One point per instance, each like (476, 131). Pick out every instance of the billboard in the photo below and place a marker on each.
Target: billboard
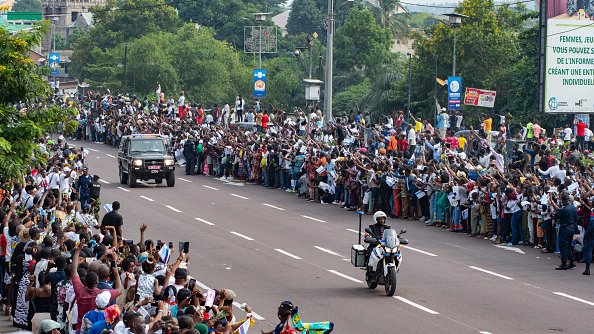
(569, 73)
(454, 93)
(259, 83)
(480, 97)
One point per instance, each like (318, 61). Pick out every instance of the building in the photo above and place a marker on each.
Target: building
(68, 14)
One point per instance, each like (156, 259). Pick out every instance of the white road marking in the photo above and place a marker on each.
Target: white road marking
(103, 181)
(314, 219)
(111, 156)
(326, 250)
(419, 251)
(242, 197)
(92, 149)
(209, 187)
(485, 332)
(242, 236)
(172, 208)
(574, 298)
(274, 207)
(204, 221)
(490, 272)
(287, 254)
(254, 314)
(147, 198)
(354, 231)
(124, 189)
(98, 157)
(420, 307)
(512, 249)
(346, 276)
(181, 178)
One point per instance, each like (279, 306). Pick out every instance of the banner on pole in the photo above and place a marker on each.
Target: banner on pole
(454, 93)
(480, 97)
(260, 83)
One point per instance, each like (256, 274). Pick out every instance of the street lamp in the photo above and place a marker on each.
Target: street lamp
(455, 21)
(329, 55)
(409, 81)
(260, 17)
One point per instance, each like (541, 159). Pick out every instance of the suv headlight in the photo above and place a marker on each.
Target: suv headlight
(137, 162)
(168, 162)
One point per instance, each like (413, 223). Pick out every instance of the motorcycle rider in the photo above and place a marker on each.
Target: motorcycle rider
(379, 217)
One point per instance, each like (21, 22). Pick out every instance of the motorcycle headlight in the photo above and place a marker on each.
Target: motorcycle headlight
(137, 162)
(168, 162)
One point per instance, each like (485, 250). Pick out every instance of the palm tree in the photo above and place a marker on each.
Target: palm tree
(386, 11)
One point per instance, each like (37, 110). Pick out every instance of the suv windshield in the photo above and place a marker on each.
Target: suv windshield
(147, 146)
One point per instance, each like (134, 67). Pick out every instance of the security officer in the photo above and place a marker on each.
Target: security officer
(83, 187)
(379, 217)
(190, 155)
(95, 196)
(567, 220)
(588, 244)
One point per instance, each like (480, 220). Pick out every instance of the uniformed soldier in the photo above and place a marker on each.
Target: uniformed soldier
(83, 187)
(95, 196)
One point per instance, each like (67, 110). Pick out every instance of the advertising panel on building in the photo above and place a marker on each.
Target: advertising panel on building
(569, 77)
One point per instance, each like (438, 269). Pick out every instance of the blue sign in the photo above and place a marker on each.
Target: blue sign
(454, 93)
(259, 83)
(54, 63)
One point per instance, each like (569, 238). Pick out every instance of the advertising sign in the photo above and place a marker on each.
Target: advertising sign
(54, 63)
(454, 93)
(569, 77)
(259, 83)
(480, 97)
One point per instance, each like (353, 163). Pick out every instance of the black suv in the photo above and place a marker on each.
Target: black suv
(146, 157)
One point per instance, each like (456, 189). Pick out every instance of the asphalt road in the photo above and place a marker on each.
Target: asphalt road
(269, 246)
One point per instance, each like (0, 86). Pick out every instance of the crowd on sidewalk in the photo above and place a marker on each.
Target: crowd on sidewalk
(66, 265)
(504, 186)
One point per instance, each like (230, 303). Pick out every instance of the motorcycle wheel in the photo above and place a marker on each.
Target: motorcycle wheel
(390, 282)
(371, 283)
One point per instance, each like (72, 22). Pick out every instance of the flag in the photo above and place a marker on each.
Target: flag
(441, 81)
(243, 329)
(164, 254)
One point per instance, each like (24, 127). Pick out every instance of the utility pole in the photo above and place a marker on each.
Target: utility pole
(409, 81)
(329, 55)
(126, 66)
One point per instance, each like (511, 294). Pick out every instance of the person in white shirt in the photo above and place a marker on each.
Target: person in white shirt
(225, 114)
(567, 134)
(65, 186)
(553, 171)
(411, 138)
(53, 182)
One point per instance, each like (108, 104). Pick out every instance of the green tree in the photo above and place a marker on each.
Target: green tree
(389, 18)
(27, 6)
(117, 22)
(350, 98)
(361, 43)
(306, 16)
(21, 80)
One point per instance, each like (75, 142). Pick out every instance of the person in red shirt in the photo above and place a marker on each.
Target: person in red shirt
(265, 120)
(402, 145)
(581, 134)
(86, 293)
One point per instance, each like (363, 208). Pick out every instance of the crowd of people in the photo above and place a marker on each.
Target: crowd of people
(67, 265)
(502, 183)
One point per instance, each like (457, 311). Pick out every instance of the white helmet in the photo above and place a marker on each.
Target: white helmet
(378, 214)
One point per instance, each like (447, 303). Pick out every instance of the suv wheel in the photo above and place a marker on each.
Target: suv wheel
(171, 179)
(123, 176)
(132, 180)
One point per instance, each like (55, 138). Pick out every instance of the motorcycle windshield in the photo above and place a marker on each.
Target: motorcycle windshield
(390, 238)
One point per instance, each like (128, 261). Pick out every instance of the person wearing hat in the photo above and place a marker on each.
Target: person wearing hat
(284, 313)
(48, 326)
(111, 316)
(443, 122)
(83, 187)
(567, 218)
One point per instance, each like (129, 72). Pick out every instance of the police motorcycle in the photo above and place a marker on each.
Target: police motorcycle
(383, 258)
